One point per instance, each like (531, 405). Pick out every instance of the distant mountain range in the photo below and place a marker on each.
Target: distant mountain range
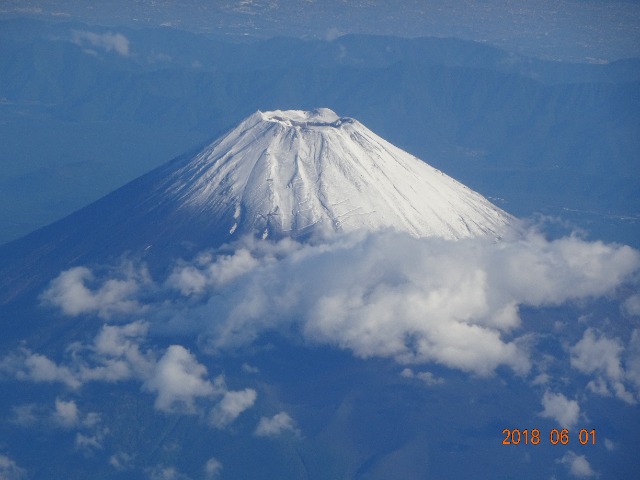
(103, 106)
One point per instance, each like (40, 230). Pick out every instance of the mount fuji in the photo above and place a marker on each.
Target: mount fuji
(281, 173)
(302, 299)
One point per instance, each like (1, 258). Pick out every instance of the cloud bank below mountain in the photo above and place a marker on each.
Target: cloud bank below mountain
(376, 295)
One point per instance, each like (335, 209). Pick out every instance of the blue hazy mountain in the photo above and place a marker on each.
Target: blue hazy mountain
(511, 127)
(570, 31)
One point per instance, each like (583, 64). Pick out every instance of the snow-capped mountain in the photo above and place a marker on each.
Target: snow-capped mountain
(290, 172)
(133, 348)
(279, 173)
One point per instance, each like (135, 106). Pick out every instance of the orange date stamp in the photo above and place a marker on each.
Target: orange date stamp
(516, 436)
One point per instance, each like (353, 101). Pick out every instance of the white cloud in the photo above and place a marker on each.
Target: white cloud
(110, 42)
(276, 425)
(578, 465)
(114, 356)
(249, 368)
(632, 360)
(631, 306)
(25, 415)
(385, 294)
(561, 409)
(90, 442)
(66, 413)
(117, 354)
(600, 355)
(121, 461)
(25, 365)
(416, 300)
(233, 403)
(427, 377)
(179, 380)
(9, 470)
(212, 469)
(332, 34)
(70, 293)
(190, 279)
(161, 472)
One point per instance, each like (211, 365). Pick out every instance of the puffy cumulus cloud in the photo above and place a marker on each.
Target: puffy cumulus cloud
(561, 409)
(276, 425)
(179, 380)
(212, 469)
(109, 42)
(66, 413)
(9, 470)
(599, 355)
(180, 383)
(115, 355)
(578, 465)
(206, 272)
(25, 365)
(415, 300)
(233, 403)
(384, 294)
(70, 293)
(118, 352)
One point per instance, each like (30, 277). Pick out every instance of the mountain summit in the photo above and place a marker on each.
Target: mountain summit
(280, 173)
(293, 172)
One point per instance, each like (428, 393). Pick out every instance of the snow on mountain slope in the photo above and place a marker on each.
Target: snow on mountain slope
(289, 172)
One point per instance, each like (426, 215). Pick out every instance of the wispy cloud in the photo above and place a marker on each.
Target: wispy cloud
(109, 42)
(121, 461)
(162, 472)
(9, 470)
(427, 377)
(212, 469)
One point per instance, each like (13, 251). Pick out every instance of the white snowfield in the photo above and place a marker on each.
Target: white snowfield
(292, 172)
